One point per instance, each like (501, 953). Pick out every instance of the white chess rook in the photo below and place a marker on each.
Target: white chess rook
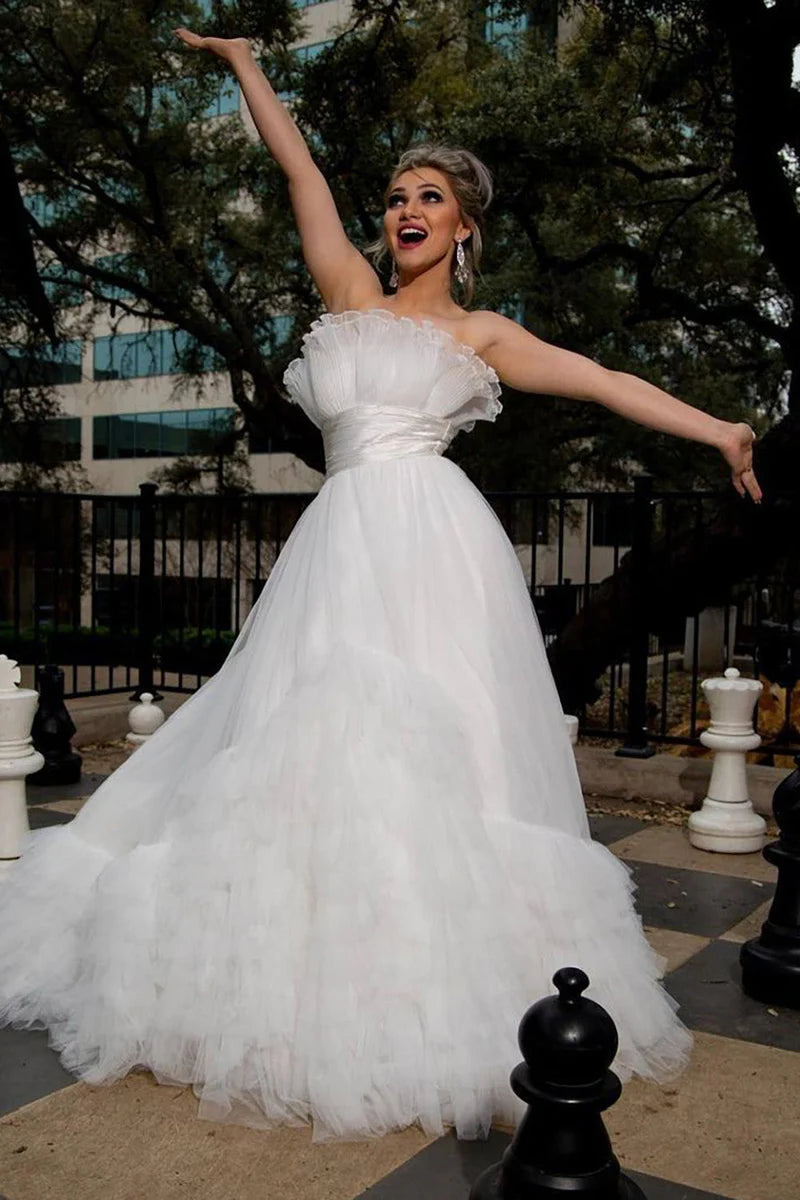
(727, 823)
(18, 759)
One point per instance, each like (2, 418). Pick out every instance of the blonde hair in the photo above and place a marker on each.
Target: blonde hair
(472, 187)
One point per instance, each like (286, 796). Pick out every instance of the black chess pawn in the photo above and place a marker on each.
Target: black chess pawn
(52, 730)
(771, 962)
(561, 1147)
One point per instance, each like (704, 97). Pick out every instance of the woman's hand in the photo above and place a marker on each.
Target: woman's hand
(227, 48)
(736, 448)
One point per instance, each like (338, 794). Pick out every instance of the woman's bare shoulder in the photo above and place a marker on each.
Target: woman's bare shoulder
(484, 328)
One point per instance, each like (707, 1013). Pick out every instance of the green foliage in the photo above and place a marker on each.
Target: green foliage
(618, 229)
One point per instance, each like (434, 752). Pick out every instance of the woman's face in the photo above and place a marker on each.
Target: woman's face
(422, 221)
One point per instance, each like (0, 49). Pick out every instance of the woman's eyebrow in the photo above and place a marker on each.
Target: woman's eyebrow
(400, 188)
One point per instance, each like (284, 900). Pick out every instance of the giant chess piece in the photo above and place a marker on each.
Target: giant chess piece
(18, 759)
(771, 962)
(52, 730)
(561, 1147)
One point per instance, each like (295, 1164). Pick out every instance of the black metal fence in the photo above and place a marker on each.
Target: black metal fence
(147, 593)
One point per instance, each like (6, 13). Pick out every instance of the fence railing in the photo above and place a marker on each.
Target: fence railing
(147, 593)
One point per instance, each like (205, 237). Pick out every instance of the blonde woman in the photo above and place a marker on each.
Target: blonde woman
(330, 885)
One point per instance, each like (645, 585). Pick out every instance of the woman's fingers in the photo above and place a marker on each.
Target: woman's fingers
(739, 455)
(191, 39)
(748, 485)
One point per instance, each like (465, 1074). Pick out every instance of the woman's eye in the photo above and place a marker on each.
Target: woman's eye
(393, 201)
(431, 196)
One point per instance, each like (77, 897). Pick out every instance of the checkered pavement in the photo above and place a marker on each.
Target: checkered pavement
(725, 1130)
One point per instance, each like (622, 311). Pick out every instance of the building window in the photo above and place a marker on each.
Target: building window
(164, 434)
(503, 30)
(42, 365)
(276, 332)
(46, 211)
(159, 352)
(63, 286)
(273, 443)
(48, 442)
(226, 100)
(182, 604)
(306, 54)
(121, 263)
(612, 520)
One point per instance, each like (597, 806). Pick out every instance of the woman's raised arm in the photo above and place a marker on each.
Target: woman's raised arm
(344, 277)
(526, 362)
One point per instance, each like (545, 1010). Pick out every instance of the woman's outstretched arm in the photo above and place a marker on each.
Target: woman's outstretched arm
(344, 277)
(526, 362)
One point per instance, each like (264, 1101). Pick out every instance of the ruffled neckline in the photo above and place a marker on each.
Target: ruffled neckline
(431, 332)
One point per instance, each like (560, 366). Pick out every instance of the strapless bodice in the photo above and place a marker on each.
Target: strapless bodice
(380, 386)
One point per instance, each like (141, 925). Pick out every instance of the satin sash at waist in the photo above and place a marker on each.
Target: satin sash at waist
(379, 433)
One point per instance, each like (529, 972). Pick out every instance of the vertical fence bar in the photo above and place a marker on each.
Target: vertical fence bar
(200, 581)
(77, 585)
(698, 525)
(534, 542)
(636, 744)
(146, 605)
(587, 579)
(16, 581)
(237, 567)
(112, 583)
(184, 606)
(94, 533)
(666, 510)
(163, 597)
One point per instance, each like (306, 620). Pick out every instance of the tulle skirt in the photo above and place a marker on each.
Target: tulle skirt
(330, 885)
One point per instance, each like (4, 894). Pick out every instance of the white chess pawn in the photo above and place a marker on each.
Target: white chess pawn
(144, 719)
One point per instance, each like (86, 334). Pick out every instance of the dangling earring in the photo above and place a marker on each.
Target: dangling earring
(461, 271)
(394, 278)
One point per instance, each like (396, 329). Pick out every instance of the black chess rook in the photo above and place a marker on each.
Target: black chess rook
(561, 1147)
(771, 962)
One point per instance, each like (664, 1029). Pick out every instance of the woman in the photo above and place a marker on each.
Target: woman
(329, 886)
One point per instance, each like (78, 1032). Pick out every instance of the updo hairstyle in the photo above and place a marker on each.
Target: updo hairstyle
(472, 188)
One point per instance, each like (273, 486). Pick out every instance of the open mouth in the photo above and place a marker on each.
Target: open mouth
(411, 235)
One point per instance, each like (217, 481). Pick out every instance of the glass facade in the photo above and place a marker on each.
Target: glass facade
(307, 53)
(167, 95)
(41, 365)
(502, 29)
(46, 211)
(46, 442)
(163, 434)
(612, 521)
(159, 352)
(115, 262)
(276, 333)
(63, 286)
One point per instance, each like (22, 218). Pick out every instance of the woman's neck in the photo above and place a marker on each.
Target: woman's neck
(427, 294)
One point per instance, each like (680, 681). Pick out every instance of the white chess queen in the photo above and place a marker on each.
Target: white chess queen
(331, 884)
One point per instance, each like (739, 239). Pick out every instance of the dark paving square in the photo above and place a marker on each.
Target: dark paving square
(30, 1069)
(708, 989)
(609, 828)
(694, 901)
(447, 1169)
(38, 818)
(45, 793)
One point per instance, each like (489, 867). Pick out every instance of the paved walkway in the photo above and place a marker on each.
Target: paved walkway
(726, 1130)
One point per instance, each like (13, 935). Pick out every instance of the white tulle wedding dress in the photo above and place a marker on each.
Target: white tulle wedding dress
(331, 884)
